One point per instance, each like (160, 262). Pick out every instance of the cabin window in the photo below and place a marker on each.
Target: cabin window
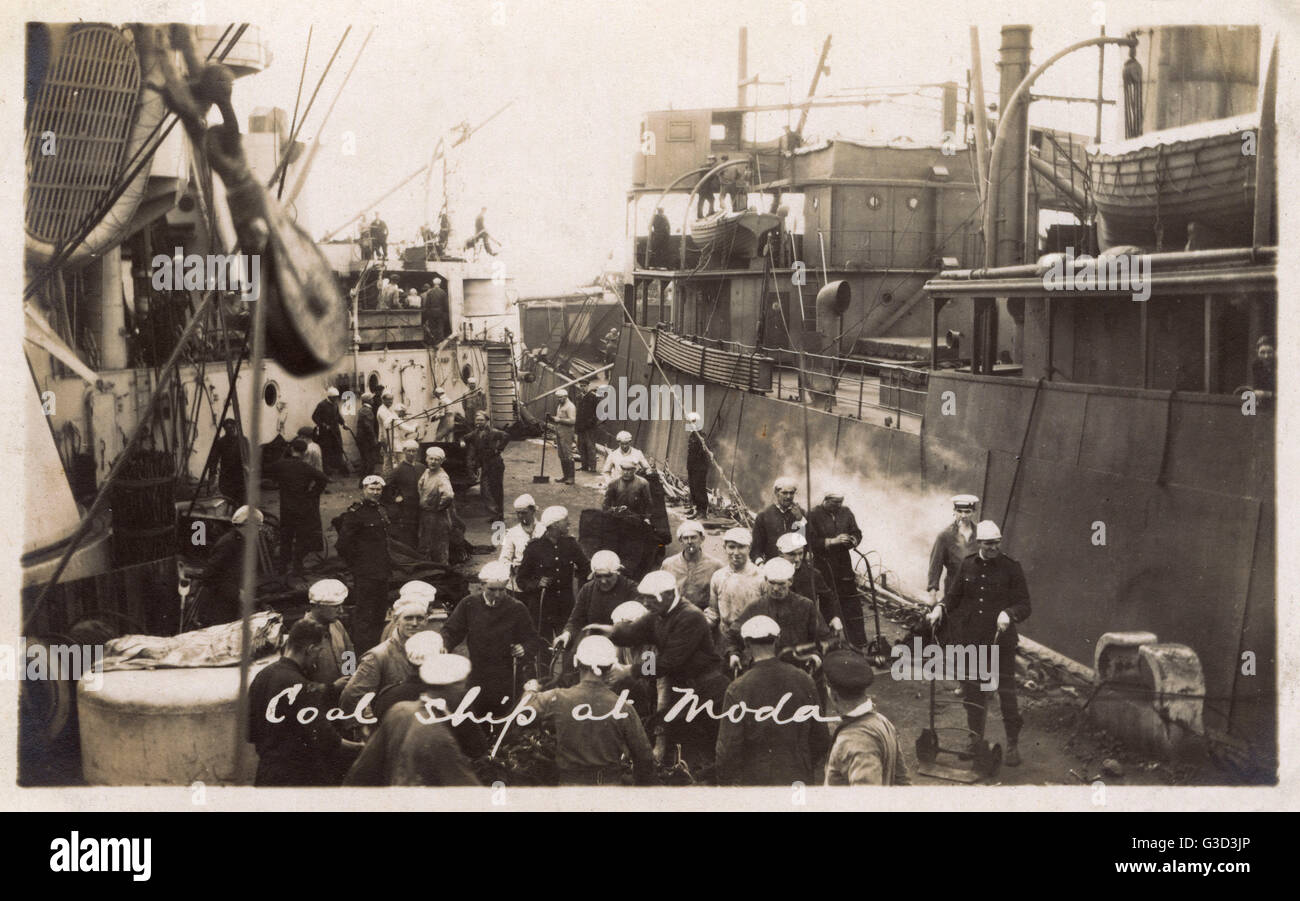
(681, 131)
(270, 393)
(718, 131)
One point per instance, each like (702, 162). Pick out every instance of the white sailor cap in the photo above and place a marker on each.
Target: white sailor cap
(553, 515)
(438, 392)
(778, 569)
(471, 381)
(785, 483)
(372, 480)
(605, 562)
(595, 651)
(738, 536)
(964, 501)
(422, 646)
(410, 604)
(628, 612)
(623, 436)
(435, 453)
(657, 582)
(560, 392)
(241, 515)
(988, 530)
(329, 592)
(790, 541)
(331, 391)
(834, 491)
(494, 573)
(444, 669)
(418, 590)
(410, 444)
(524, 501)
(758, 628)
(690, 527)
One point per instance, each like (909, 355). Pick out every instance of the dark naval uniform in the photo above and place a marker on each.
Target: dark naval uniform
(809, 582)
(288, 752)
(363, 543)
(800, 621)
(329, 435)
(770, 525)
(982, 590)
(697, 474)
(489, 631)
(562, 561)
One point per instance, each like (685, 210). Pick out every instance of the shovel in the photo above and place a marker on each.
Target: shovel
(542, 478)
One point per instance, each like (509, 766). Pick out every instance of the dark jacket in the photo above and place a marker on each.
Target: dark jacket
(300, 487)
(798, 617)
(809, 582)
(485, 444)
(589, 750)
(770, 525)
(682, 639)
(363, 540)
(636, 496)
(770, 753)
(866, 751)
(836, 562)
(982, 590)
(406, 751)
(563, 561)
(588, 403)
(594, 605)
(327, 418)
(290, 753)
(404, 483)
(367, 433)
(697, 457)
(489, 632)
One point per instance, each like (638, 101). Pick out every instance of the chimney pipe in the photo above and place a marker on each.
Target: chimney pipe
(742, 66)
(949, 108)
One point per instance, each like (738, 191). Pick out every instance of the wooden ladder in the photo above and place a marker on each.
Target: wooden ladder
(502, 391)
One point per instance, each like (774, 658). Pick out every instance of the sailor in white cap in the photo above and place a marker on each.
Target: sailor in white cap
(754, 752)
(387, 421)
(363, 543)
(436, 498)
(446, 420)
(987, 598)
(417, 590)
(685, 658)
(734, 586)
(387, 664)
(551, 565)
(413, 747)
(565, 421)
(516, 537)
(628, 494)
(697, 467)
(404, 488)
(329, 432)
(613, 465)
(832, 535)
(596, 600)
(800, 620)
(499, 635)
(366, 433)
(953, 545)
(588, 420)
(591, 737)
(781, 516)
(808, 580)
(692, 568)
(338, 655)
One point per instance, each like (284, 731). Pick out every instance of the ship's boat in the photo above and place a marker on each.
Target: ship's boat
(736, 234)
(1149, 189)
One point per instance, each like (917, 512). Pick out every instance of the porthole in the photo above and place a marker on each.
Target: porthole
(270, 393)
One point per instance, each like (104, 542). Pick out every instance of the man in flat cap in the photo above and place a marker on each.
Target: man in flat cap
(592, 731)
(832, 535)
(485, 445)
(363, 543)
(760, 751)
(989, 596)
(865, 749)
(953, 545)
(692, 568)
(781, 516)
(613, 465)
(547, 574)
(409, 748)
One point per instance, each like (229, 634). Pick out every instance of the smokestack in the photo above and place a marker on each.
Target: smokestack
(742, 66)
(949, 108)
(1013, 61)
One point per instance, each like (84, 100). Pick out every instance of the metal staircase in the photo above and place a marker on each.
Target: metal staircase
(502, 391)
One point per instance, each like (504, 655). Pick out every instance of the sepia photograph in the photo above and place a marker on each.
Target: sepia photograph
(646, 406)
